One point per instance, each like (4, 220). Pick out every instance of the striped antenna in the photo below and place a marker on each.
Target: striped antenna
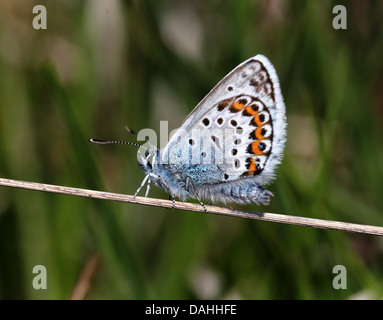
(114, 141)
(125, 142)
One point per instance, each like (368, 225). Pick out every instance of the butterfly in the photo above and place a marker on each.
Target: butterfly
(228, 148)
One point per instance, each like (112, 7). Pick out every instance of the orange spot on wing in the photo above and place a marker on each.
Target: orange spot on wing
(258, 133)
(255, 148)
(252, 167)
(257, 121)
(236, 106)
(251, 111)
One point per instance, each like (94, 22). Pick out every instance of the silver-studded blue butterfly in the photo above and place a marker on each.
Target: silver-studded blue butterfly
(249, 104)
(229, 146)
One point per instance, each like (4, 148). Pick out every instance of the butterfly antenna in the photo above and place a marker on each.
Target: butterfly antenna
(115, 141)
(130, 130)
(135, 133)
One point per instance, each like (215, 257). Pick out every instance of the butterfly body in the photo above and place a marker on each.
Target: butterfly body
(180, 185)
(229, 146)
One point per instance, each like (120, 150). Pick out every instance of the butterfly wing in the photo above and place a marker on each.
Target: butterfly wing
(237, 131)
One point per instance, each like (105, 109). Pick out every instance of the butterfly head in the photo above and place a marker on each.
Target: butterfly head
(147, 158)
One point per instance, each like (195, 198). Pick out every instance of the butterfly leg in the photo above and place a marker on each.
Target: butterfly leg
(148, 186)
(174, 200)
(142, 184)
(189, 186)
(201, 203)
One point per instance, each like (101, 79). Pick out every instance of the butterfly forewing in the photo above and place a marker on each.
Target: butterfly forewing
(237, 131)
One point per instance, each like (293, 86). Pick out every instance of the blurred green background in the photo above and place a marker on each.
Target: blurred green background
(101, 65)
